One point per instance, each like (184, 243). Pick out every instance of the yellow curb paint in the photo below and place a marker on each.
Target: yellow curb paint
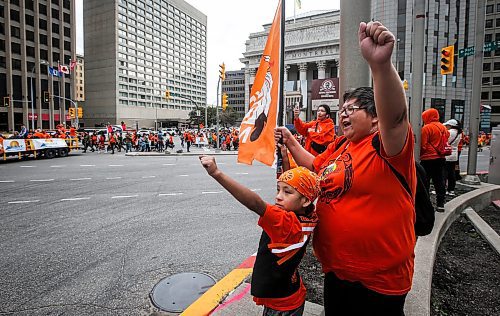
(212, 298)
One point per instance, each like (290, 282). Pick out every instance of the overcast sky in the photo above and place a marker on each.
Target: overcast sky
(229, 23)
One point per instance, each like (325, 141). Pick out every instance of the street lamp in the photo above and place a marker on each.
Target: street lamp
(42, 62)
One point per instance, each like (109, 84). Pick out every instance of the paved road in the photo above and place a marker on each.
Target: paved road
(92, 234)
(483, 162)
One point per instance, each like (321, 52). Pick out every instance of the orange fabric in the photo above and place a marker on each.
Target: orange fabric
(432, 132)
(257, 128)
(366, 222)
(72, 132)
(303, 180)
(324, 134)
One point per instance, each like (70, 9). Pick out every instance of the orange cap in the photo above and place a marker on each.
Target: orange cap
(303, 180)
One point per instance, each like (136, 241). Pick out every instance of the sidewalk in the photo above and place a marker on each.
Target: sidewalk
(193, 151)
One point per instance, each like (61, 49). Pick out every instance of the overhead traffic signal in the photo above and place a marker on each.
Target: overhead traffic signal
(447, 57)
(222, 72)
(224, 102)
(46, 96)
(80, 112)
(167, 94)
(6, 101)
(72, 113)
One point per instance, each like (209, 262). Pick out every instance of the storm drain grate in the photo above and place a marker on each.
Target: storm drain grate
(176, 292)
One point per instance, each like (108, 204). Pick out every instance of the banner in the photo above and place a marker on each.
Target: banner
(257, 128)
(14, 145)
(49, 143)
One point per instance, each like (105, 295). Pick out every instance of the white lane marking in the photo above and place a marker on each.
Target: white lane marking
(27, 166)
(147, 177)
(211, 192)
(169, 164)
(241, 172)
(19, 202)
(76, 199)
(183, 175)
(42, 180)
(6, 181)
(56, 166)
(254, 190)
(116, 165)
(80, 179)
(124, 196)
(113, 178)
(87, 165)
(221, 163)
(170, 194)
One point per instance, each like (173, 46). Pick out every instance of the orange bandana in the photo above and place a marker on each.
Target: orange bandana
(303, 180)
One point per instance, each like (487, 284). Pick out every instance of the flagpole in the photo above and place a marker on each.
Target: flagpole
(281, 95)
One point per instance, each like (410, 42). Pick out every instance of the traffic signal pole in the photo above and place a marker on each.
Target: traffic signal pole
(217, 116)
(475, 110)
(76, 108)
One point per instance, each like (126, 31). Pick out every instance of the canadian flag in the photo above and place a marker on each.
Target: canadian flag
(72, 64)
(64, 69)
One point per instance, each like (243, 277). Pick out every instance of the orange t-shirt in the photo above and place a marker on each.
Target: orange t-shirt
(366, 218)
(282, 227)
(320, 132)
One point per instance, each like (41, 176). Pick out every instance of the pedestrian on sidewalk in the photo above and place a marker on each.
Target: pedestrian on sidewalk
(365, 237)
(287, 226)
(452, 160)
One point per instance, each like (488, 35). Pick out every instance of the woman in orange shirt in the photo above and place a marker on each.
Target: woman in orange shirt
(365, 236)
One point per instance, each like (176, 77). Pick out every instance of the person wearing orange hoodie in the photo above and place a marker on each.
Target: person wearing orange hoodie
(430, 158)
(319, 132)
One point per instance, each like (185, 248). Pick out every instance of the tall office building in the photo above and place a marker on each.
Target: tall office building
(79, 73)
(234, 87)
(136, 50)
(33, 35)
(447, 23)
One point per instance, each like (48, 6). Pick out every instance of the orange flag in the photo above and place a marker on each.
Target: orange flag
(257, 128)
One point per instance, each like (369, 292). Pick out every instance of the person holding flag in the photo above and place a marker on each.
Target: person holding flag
(365, 236)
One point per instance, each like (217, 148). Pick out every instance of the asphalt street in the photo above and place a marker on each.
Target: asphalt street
(93, 233)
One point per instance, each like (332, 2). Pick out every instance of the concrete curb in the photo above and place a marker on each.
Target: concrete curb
(418, 301)
(488, 233)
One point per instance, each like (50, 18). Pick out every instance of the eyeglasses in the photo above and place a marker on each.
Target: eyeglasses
(348, 110)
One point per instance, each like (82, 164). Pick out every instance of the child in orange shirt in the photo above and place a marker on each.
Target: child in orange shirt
(287, 226)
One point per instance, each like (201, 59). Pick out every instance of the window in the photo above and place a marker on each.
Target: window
(488, 24)
(495, 95)
(67, 31)
(496, 66)
(486, 66)
(55, 14)
(67, 18)
(43, 39)
(30, 20)
(42, 9)
(16, 64)
(14, 15)
(485, 80)
(15, 48)
(30, 51)
(30, 36)
(489, 8)
(485, 95)
(44, 54)
(496, 80)
(42, 24)
(55, 42)
(15, 32)
(67, 45)
(55, 28)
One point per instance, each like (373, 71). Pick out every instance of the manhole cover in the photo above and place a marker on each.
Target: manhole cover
(176, 292)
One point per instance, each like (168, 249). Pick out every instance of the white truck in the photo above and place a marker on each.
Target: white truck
(45, 147)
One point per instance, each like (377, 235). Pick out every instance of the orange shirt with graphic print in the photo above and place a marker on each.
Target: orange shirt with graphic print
(366, 218)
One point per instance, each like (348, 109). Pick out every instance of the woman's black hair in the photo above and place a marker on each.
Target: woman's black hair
(365, 98)
(327, 109)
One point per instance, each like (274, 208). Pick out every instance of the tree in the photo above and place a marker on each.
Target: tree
(196, 120)
(228, 117)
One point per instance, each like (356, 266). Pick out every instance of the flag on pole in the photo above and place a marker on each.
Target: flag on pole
(298, 4)
(53, 72)
(72, 64)
(257, 128)
(64, 69)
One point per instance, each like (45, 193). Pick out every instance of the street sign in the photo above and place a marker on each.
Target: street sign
(465, 52)
(489, 46)
(198, 113)
(30, 116)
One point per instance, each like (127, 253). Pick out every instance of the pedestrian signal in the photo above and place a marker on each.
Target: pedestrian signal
(72, 113)
(222, 72)
(447, 56)
(80, 112)
(46, 96)
(6, 101)
(224, 102)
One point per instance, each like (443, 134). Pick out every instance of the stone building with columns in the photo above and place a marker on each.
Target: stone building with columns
(311, 52)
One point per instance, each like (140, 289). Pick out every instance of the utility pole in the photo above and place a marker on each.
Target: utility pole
(354, 71)
(417, 74)
(217, 116)
(475, 110)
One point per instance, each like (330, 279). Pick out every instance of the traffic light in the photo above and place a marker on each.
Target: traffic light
(447, 57)
(72, 113)
(405, 84)
(6, 101)
(80, 112)
(224, 102)
(46, 96)
(167, 94)
(222, 72)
